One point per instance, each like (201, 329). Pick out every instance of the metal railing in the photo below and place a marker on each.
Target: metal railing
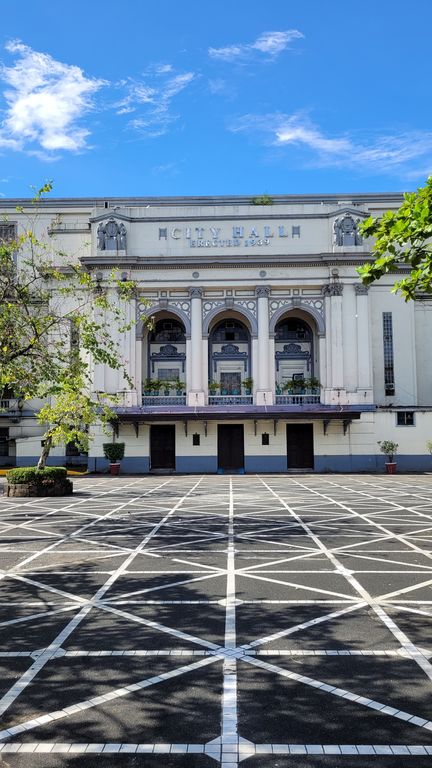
(303, 399)
(164, 399)
(230, 399)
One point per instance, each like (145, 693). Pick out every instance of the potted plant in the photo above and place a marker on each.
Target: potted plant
(156, 386)
(114, 452)
(389, 448)
(213, 387)
(313, 384)
(248, 384)
(179, 385)
(288, 387)
(147, 387)
(166, 387)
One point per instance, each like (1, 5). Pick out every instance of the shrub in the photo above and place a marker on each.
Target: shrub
(22, 475)
(114, 452)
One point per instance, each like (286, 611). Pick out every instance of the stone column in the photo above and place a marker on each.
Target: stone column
(335, 380)
(264, 391)
(196, 391)
(364, 352)
(128, 348)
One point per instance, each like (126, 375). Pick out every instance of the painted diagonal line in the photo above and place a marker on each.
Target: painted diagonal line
(304, 625)
(291, 584)
(126, 595)
(30, 674)
(159, 627)
(70, 536)
(400, 636)
(342, 693)
(97, 701)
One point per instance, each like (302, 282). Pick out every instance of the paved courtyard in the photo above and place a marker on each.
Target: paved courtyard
(270, 621)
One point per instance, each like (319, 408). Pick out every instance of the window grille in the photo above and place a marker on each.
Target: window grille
(389, 385)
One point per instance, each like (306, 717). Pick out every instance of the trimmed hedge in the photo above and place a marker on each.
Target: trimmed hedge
(22, 475)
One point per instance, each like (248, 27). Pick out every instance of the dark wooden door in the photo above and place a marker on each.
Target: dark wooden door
(300, 452)
(230, 446)
(162, 446)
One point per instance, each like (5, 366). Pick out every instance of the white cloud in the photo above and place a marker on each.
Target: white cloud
(383, 153)
(45, 100)
(269, 43)
(155, 99)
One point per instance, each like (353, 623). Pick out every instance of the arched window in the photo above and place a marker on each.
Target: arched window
(167, 330)
(229, 356)
(294, 355)
(166, 365)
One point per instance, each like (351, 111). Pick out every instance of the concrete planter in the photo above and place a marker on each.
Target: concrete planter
(57, 487)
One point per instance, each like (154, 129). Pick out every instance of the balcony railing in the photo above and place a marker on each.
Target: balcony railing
(300, 399)
(230, 399)
(163, 399)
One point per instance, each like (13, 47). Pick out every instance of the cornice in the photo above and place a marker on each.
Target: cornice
(109, 203)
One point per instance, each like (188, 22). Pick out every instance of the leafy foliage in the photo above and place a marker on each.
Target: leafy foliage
(114, 452)
(56, 322)
(389, 448)
(403, 237)
(262, 200)
(22, 475)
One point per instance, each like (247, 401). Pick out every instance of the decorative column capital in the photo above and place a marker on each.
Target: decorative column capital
(360, 289)
(262, 291)
(332, 289)
(195, 293)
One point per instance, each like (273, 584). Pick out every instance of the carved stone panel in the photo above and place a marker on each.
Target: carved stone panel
(111, 236)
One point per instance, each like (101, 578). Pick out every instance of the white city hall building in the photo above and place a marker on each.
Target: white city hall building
(266, 352)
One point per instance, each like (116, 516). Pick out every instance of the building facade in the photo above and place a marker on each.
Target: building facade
(265, 353)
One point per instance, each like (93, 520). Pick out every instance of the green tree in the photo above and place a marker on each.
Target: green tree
(56, 321)
(403, 239)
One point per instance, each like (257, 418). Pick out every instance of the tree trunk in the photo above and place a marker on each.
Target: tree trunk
(45, 452)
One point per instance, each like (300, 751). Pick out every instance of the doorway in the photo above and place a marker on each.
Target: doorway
(300, 450)
(162, 447)
(230, 447)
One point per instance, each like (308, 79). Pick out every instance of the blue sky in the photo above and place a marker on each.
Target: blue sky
(202, 98)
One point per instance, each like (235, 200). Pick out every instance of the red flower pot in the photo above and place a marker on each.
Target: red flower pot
(390, 467)
(114, 469)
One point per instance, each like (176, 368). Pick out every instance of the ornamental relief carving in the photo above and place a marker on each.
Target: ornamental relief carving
(296, 302)
(332, 289)
(148, 309)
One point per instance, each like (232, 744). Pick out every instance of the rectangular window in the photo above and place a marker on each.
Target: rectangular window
(389, 385)
(295, 231)
(7, 233)
(405, 419)
(265, 438)
(195, 439)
